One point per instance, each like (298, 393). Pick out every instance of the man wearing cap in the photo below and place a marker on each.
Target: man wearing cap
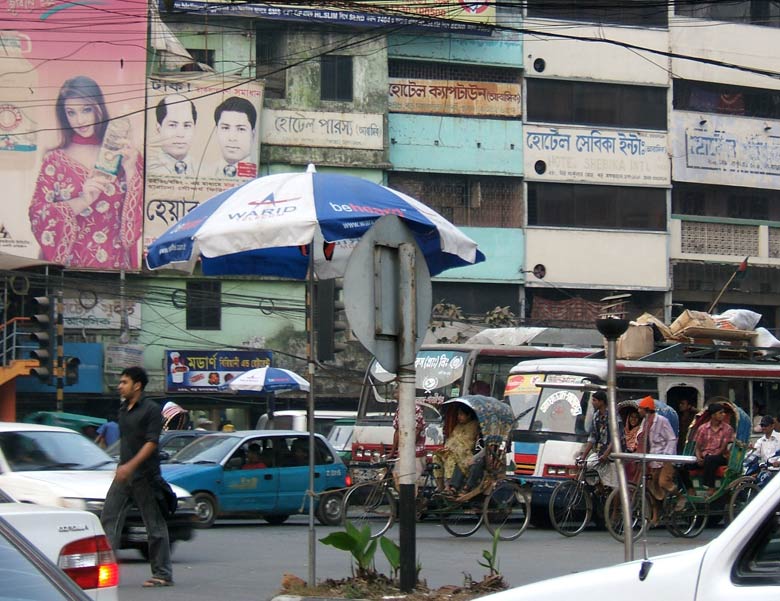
(768, 445)
(600, 442)
(657, 436)
(712, 441)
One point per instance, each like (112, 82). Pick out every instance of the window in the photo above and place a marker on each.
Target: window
(577, 102)
(597, 207)
(336, 77)
(725, 201)
(204, 305)
(202, 56)
(753, 12)
(709, 97)
(271, 64)
(646, 13)
(451, 71)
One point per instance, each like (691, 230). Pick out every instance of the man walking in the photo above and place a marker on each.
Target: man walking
(656, 436)
(140, 424)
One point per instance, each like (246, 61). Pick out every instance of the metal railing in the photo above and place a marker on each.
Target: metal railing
(15, 341)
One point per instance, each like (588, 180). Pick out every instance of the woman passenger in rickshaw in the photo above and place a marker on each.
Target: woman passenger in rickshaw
(457, 456)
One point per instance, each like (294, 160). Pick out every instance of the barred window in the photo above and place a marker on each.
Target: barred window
(646, 13)
(753, 12)
(451, 71)
(204, 305)
(466, 200)
(709, 97)
(726, 201)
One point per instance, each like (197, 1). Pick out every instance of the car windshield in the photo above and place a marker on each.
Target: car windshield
(340, 436)
(209, 449)
(35, 451)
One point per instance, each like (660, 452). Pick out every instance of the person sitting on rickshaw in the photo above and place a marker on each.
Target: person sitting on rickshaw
(457, 456)
(712, 445)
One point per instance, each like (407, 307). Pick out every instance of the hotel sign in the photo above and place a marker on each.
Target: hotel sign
(314, 128)
(454, 97)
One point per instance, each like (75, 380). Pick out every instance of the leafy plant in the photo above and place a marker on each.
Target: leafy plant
(491, 557)
(393, 554)
(359, 544)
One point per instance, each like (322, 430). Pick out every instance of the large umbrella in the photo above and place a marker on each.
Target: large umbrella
(267, 226)
(269, 379)
(294, 224)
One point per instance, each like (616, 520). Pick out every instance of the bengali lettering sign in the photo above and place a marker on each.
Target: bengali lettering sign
(119, 356)
(732, 151)
(454, 97)
(596, 156)
(105, 314)
(318, 129)
(209, 370)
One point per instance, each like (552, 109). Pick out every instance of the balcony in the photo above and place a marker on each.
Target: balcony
(719, 239)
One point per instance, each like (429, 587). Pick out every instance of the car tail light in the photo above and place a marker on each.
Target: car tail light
(348, 480)
(90, 562)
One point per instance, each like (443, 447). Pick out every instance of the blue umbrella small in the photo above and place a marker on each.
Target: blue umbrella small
(268, 379)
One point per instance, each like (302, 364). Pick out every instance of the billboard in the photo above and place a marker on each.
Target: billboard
(209, 370)
(71, 131)
(454, 97)
(202, 138)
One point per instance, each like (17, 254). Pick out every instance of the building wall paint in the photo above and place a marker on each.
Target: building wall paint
(455, 145)
(598, 258)
(503, 249)
(497, 50)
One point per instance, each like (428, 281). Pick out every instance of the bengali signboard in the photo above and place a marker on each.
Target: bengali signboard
(454, 97)
(726, 151)
(202, 138)
(597, 156)
(102, 314)
(444, 15)
(71, 131)
(318, 129)
(208, 370)
(119, 356)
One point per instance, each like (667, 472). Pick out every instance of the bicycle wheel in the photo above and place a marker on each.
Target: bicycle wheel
(370, 504)
(743, 494)
(689, 520)
(570, 508)
(507, 510)
(613, 513)
(461, 519)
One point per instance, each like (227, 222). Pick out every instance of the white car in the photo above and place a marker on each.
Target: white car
(73, 540)
(742, 563)
(53, 466)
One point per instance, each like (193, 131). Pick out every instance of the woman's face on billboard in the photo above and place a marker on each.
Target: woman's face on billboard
(81, 115)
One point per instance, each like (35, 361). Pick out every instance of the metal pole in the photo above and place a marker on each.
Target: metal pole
(59, 360)
(406, 421)
(628, 534)
(312, 578)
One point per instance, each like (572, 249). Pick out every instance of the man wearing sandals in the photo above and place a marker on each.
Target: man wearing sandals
(140, 424)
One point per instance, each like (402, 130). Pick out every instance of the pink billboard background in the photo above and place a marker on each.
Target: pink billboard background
(73, 183)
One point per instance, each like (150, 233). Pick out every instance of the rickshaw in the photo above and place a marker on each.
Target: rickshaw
(497, 499)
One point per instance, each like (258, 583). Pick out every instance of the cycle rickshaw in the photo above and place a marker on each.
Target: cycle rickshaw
(497, 499)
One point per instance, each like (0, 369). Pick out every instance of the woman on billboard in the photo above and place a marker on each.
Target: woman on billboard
(86, 210)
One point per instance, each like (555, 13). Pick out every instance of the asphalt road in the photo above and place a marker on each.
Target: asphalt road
(243, 560)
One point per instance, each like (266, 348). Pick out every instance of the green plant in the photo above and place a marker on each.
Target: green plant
(393, 554)
(359, 544)
(491, 557)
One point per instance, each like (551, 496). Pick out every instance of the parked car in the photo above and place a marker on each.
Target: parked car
(29, 574)
(72, 539)
(49, 465)
(83, 424)
(171, 442)
(217, 471)
(743, 562)
(340, 438)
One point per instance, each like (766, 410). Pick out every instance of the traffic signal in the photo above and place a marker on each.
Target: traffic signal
(330, 320)
(71, 365)
(45, 334)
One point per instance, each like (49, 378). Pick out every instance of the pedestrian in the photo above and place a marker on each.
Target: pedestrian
(108, 433)
(140, 425)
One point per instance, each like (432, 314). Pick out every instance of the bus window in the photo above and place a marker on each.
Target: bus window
(522, 393)
(494, 371)
(734, 390)
(561, 411)
(636, 387)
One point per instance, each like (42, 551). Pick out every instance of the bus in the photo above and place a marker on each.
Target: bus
(442, 372)
(553, 419)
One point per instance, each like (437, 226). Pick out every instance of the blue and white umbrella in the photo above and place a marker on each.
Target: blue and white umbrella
(268, 379)
(268, 225)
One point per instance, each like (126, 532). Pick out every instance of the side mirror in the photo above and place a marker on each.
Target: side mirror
(164, 455)
(234, 463)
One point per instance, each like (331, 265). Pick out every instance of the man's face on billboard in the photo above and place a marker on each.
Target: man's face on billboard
(235, 135)
(177, 129)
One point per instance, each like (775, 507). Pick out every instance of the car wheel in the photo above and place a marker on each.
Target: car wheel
(205, 510)
(276, 520)
(330, 509)
(145, 551)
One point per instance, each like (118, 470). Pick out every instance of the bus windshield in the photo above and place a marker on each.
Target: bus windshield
(438, 377)
(548, 408)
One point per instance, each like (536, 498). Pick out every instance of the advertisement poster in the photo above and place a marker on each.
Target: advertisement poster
(208, 370)
(71, 123)
(202, 138)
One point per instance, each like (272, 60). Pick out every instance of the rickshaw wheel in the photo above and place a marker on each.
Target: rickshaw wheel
(571, 507)
(507, 510)
(613, 512)
(461, 519)
(743, 493)
(369, 504)
(689, 521)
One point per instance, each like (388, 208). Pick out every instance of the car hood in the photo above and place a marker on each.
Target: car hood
(175, 471)
(672, 576)
(83, 484)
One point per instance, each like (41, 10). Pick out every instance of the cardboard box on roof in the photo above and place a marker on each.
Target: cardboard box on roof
(664, 332)
(636, 341)
(688, 318)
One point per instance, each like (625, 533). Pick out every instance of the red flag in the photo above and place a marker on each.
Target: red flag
(741, 270)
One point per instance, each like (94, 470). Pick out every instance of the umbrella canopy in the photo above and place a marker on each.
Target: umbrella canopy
(269, 379)
(265, 227)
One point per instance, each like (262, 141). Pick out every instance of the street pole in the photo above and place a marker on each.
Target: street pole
(612, 328)
(312, 577)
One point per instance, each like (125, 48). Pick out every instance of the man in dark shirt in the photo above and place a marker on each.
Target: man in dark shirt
(140, 424)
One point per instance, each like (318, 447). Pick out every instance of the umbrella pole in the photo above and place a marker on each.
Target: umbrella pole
(312, 580)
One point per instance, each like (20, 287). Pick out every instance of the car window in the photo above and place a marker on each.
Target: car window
(177, 443)
(40, 451)
(208, 449)
(294, 451)
(759, 563)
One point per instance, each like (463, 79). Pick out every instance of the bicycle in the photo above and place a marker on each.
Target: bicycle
(571, 505)
(744, 489)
